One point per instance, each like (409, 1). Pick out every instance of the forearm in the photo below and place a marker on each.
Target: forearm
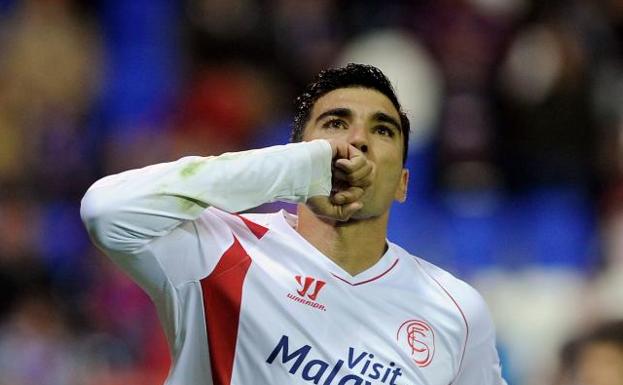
(124, 211)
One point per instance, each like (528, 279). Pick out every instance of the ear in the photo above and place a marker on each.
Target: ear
(401, 191)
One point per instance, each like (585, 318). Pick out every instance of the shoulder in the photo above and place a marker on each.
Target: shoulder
(468, 301)
(261, 219)
(238, 224)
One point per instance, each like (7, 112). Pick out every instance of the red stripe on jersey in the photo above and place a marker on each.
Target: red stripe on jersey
(222, 294)
(367, 280)
(257, 230)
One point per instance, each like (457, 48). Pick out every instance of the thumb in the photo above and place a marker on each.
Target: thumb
(354, 152)
(347, 211)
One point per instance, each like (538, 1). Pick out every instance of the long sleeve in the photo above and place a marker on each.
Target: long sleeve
(128, 214)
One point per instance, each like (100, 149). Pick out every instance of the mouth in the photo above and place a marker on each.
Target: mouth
(338, 186)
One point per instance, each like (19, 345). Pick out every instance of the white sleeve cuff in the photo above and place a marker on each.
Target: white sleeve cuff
(320, 157)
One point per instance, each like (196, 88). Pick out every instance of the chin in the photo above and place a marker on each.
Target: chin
(365, 213)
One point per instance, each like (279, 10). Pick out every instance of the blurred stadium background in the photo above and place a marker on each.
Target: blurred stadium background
(516, 160)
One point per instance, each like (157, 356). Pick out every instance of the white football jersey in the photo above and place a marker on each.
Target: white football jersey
(246, 300)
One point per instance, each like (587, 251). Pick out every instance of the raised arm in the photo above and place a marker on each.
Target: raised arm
(126, 213)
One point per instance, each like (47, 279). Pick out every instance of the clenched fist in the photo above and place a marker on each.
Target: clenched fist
(352, 173)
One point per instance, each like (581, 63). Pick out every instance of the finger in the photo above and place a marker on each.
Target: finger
(360, 178)
(347, 211)
(347, 196)
(340, 149)
(341, 181)
(350, 165)
(322, 206)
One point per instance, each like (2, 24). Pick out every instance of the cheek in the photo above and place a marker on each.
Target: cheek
(387, 181)
(390, 150)
(312, 134)
(390, 167)
(312, 131)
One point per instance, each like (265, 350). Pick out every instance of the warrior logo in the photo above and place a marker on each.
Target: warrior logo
(306, 285)
(419, 338)
(309, 288)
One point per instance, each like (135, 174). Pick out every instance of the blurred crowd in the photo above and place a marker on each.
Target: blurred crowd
(516, 158)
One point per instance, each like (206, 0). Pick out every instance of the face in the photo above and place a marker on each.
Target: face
(368, 120)
(600, 364)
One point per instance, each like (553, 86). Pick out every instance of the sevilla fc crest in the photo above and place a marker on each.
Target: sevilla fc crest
(418, 338)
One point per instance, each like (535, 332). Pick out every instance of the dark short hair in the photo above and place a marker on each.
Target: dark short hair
(610, 332)
(353, 75)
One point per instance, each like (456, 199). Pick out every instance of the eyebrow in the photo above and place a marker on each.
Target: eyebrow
(339, 112)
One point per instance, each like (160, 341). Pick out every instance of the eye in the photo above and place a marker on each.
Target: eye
(335, 124)
(384, 130)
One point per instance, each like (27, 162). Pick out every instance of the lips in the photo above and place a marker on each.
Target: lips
(338, 185)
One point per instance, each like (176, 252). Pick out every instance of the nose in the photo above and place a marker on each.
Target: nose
(359, 138)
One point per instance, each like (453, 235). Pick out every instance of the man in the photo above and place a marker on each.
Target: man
(321, 297)
(594, 358)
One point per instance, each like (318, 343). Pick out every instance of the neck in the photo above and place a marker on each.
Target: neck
(355, 245)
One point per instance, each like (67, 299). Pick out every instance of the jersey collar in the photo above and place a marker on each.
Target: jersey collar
(285, 222)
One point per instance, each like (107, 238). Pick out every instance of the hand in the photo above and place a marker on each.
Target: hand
(352, 174)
